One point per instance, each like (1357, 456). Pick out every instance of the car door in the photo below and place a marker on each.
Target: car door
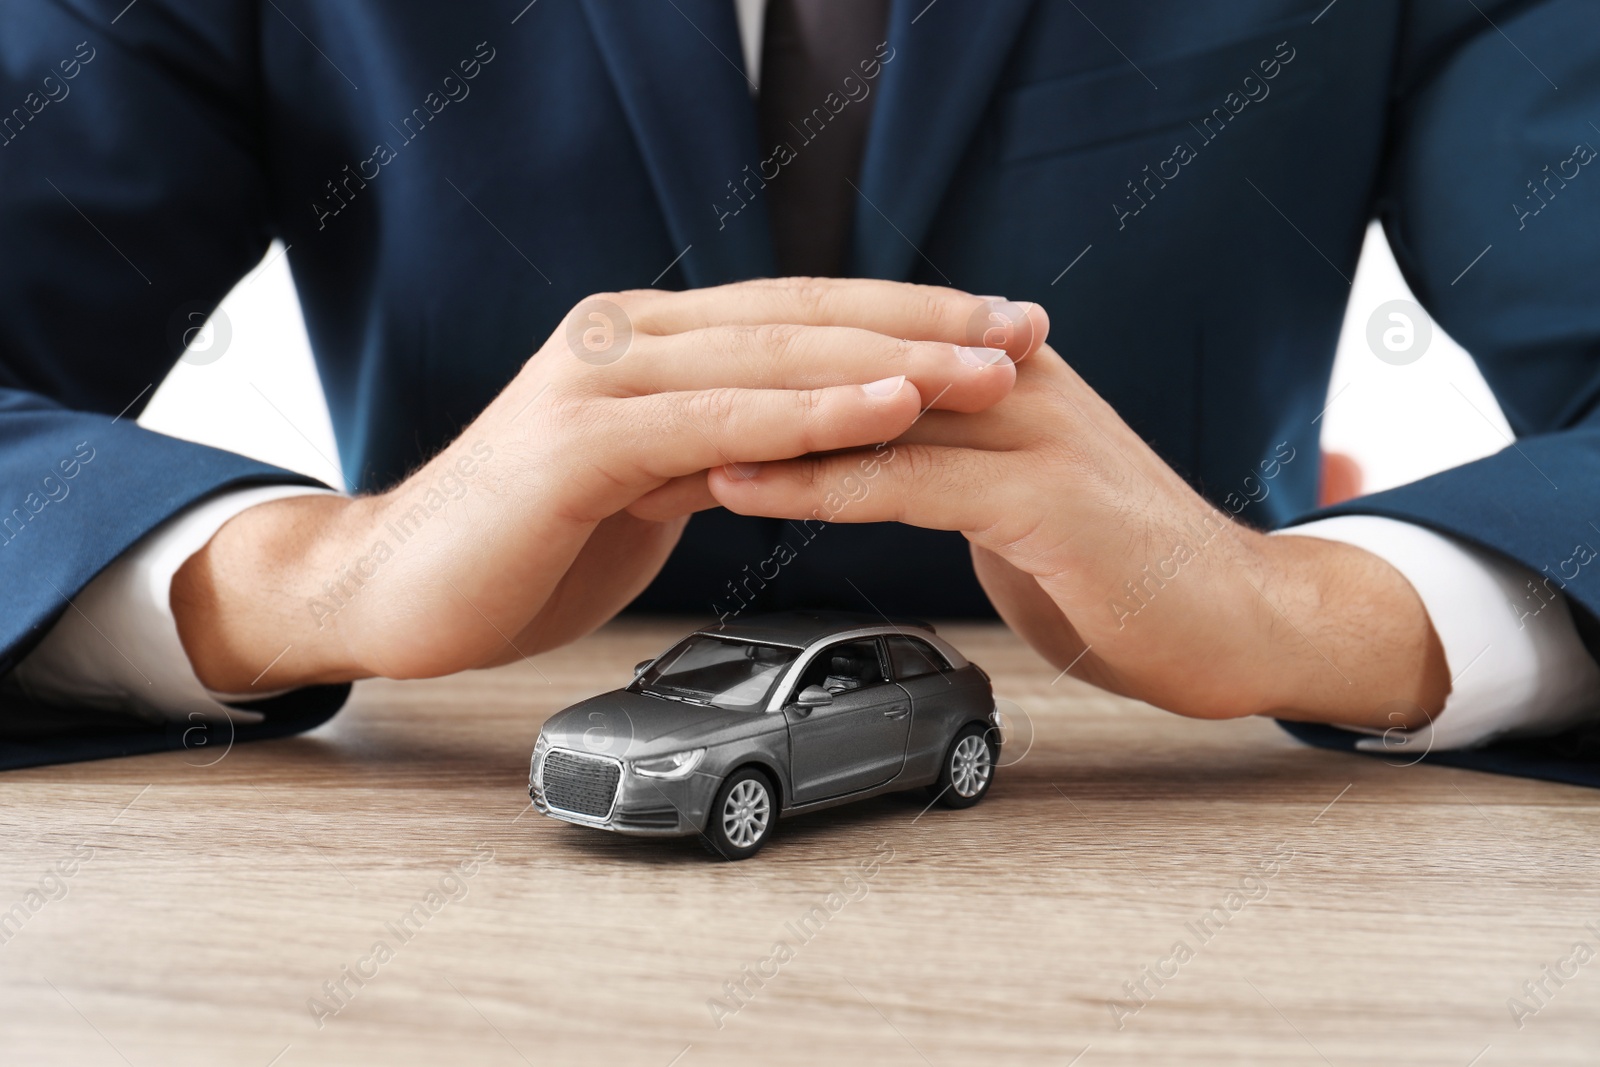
(859, 740)
(941, 698)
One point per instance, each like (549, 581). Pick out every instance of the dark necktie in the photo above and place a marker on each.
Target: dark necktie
(809, 50)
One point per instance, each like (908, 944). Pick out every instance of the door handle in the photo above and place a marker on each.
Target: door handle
(896, 713)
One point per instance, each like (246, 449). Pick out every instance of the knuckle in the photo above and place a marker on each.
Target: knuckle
(777, 340)
(738, 347)
(598, 330)
(811, 296)
(812, 419)
(916, 465)
(933, 306)
(814, 406)
(1016, 533)
(901, 353)
(565, 408)
(565, 419)
(619, 299)
(924, 469)
(708, 407)
(731, 343)
(810, 474)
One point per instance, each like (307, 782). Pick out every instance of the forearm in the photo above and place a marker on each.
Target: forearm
(1244, 624)
(1516, 669)
(1287, 626)
(264, 592)
(1342, 637)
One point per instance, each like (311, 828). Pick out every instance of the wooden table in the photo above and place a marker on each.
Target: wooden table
(1330, 909)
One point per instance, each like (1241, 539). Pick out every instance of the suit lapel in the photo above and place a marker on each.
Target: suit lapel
(690, 111)
(935, 86)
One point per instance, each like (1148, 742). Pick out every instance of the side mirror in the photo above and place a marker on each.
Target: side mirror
(640, 667)
(813, 696)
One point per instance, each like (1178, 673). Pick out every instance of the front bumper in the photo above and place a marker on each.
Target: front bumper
(635, 804)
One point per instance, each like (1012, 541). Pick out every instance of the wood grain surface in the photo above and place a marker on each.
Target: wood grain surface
(1136, 889)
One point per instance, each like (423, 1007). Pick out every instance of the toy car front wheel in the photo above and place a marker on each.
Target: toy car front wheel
(968, 768)
(743, 815)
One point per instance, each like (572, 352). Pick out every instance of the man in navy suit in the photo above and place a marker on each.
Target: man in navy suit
(1170, 197)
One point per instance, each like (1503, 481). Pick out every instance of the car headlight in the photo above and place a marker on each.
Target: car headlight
(540, 747)
(677, 765)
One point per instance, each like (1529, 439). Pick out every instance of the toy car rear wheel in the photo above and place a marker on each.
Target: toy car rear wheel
(968, 768)
(743, 816)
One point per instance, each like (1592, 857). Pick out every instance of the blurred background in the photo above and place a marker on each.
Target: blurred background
(1404, 399)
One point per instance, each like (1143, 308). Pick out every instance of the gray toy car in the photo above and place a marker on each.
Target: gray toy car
(738, 725)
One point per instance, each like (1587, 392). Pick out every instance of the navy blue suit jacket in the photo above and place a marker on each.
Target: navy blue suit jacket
(453, 177)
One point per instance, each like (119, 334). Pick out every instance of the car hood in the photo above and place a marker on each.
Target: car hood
(631, 725)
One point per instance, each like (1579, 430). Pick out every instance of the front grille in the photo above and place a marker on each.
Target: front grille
(581, 785)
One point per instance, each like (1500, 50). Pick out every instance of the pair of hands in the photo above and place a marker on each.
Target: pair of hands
(561, 501)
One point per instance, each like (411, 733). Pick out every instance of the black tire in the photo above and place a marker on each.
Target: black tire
(728, 833)
(950, 771)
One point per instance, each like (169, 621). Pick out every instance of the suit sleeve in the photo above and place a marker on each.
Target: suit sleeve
(1491, 201)
(132, 196)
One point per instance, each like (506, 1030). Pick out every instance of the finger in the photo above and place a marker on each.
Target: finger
(679, 497)
(618, 560)
(669, 435)
(1029, 611)
(898, 309)
(998, 430)
(1039, 401)
(933, 487)
(784, 356)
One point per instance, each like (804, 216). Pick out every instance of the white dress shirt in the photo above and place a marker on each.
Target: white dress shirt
(1511, 673)
(1516, 668)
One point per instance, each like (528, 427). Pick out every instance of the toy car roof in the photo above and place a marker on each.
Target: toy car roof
(799, 629)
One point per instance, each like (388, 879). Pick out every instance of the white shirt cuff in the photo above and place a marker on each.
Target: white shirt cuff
(117, 646)
(1517, 665)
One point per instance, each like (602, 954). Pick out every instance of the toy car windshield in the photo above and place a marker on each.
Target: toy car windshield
(722, 673)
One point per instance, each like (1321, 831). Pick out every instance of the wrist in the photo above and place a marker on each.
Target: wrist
(1340, 636)
(251, 605)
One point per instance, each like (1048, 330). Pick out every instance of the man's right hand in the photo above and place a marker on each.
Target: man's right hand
(518, 536)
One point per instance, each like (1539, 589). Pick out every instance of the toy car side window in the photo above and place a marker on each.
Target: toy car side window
(846, 666)
(913, 658)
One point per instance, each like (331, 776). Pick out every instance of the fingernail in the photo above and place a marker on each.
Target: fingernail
(981, 357)
(745, 471)
(991, 298)
(885, 386)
